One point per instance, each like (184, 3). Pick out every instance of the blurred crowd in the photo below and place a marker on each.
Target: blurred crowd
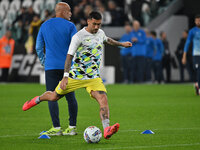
(150, 56)
(24, 17)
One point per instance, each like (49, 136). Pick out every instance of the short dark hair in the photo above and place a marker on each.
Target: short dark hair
(95, 15)
(186, 30)
(153, 33)
(161, 33)
(197, 16)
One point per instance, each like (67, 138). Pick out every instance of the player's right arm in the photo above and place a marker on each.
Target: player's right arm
(75, 42)
(186, 47)
(64, 81)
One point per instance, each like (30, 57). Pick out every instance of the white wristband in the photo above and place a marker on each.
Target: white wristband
(66, 74)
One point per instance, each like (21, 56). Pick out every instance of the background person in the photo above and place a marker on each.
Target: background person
(55, 35)
(138, 52)
(150, 49)
(194, 37)
(157, 58)
(179, 54)
(166, 60)
(125, 54)
(7, 45)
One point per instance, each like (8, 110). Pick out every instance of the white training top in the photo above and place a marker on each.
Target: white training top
(87, 48)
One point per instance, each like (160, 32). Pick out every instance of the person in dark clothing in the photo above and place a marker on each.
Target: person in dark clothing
(166, 62)
(136, 10)
(22, 17)
(19, 26)
(179, 54)
(30, 15)
(118, 17)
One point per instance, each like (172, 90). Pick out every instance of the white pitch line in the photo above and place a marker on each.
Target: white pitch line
(130, 130)
(4, 136)
(144, 147)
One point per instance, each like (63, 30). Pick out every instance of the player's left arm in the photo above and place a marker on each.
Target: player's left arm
(40, 47)
(113, 42)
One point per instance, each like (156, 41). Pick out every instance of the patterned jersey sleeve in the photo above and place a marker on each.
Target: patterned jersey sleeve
(105, 38)
(75, 42)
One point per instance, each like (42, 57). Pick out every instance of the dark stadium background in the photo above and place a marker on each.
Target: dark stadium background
(112, 56)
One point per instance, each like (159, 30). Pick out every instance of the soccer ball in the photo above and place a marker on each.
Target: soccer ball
(92, 134)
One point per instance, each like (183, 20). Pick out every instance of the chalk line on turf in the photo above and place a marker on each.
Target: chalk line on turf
(150, 146)
(130, 130)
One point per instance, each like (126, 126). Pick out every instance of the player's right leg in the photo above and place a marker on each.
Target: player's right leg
(47, 96)
(72, 109)
(101, 98)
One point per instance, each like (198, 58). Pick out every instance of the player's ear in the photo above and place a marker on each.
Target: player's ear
(88, 21)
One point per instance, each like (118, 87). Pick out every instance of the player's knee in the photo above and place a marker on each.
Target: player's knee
(103, 100)
(53, 96)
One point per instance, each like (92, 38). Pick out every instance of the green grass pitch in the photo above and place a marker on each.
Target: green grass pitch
(172, 111)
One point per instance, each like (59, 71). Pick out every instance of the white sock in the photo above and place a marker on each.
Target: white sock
(37, 100)
(72, 127)
(57, 127)
(105, 123)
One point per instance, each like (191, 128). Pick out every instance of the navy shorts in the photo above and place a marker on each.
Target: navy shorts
(196, 62)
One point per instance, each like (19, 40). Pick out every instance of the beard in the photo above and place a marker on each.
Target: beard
(95, 31)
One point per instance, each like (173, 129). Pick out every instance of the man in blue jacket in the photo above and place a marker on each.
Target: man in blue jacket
(194, 37)
(125, 54)
(150, 48)
(157, 58)
(55, 36)
(138, 52)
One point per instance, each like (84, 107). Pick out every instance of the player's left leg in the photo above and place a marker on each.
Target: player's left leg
(51, 96)
(101, 98)
(198, 73)
(47, 96)
(196, 65)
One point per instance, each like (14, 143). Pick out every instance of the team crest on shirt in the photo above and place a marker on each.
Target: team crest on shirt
(139, 34)
(7, 49)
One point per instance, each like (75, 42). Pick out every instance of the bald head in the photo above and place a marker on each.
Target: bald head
(63, 10)
(136, 25)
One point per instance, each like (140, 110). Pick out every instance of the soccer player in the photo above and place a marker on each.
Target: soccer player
(194, 36)
(87, 46)
(55, 36)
